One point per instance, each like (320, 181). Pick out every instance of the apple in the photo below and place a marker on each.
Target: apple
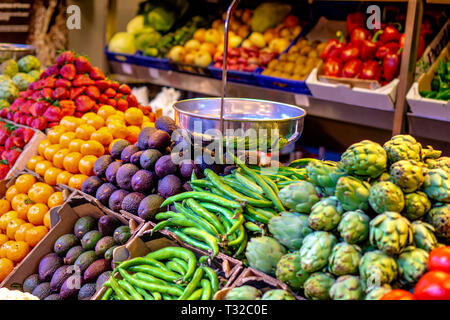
(246, 44)
(202, 59)
(234, 41)
(189, 58)
(192, 45)
(257, 39)
(243, 31)
(177, 53)
(208, 47)
(199, 35)
(217, 23)
(212, 36)
(247, 16)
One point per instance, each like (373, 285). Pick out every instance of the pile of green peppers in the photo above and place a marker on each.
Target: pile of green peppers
(440, 85)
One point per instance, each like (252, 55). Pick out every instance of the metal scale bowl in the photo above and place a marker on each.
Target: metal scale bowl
(197, 116)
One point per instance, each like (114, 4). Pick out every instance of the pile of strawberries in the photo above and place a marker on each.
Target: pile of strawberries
(70, 87)
(12, 141)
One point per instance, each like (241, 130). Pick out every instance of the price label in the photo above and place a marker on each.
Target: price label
(154, 73)
(126, 68)
(301, 100)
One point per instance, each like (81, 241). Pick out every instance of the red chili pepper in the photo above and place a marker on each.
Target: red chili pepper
(390, 33)
(355, 20)
(352, 69)
(371, 70)
(334, 47)
(351, 51)
(359, 35)
(385, 49)
(391, 63)
(332, 67)
(420, 49)
(369, 47)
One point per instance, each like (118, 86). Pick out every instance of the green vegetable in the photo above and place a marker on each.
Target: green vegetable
(202, 196)
(135, 25)
(203, 236)
(176, 252)
(130, 289)
(122, 42)
(120, 292)
(192, 285)
(150, 286)
(161, 19)
(268, 15)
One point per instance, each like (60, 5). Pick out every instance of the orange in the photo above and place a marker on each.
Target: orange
(36, 214)
(121, 115)
(35, 234)
(133, 134)
(10, 193)
(71, 161)
(5, 206)
(63, 177)
(51, 174)
(6, 266)
(41, 167)
(50, 151)
(47, 221)
(134, 116)
(5, 247)
(4, 219)
(96, 121)
(21, 232)
(115, 117)
(17, 251)
(112, 144)
(71, 123)
(31, 164)
(65, 139)
(55, 200)
(55, 133)
(75, 145)
(147, 124)
(3, 238)
(13, 225)
(58, 158)
(86, 165)
(92, 147)
(103, 136)
(77, 180)
(18, 199)
(118, 129)
(42, 146)
(25, 182)
(84, 131)
(105, 111)
(40, 192)
(88, 116)
(22, 208)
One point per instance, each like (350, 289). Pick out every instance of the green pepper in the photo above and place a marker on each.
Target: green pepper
(442, 68)
(443, 85)
(443, 95)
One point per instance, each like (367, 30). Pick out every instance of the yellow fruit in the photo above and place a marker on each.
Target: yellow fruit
(134, 116)
(71, 162)
(92, 147)
(96, 121)
(4, 219)
(71, 123)
(75, 145)
(115, 117)
(41, 167)
(84, 132)
(63, 177)
(58, 158)
(55, 200)
(40, 192)
(24, 183)
(18, 251)
(17, 199)
(77, 180)
(31, 164)
(34, 235)
(51, 174)
(54, 134)
(23, 207)
(10, 193)
(36, 214)
(118, 129)
(13, 225)
(133, 134)
(4, 206)
(105, 111)
(6, 266)
(50, 151)
(86, 165)
(103, 136)
(43, 145)
(47, 221)
(65, 139)
(21, 232)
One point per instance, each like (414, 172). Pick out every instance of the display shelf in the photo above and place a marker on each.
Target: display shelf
(429, 127)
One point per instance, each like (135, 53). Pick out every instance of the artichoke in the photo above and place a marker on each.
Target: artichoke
(277, 294)
(439, 218)
(28, 63)
(318, 286)
(403, 147)
(354, 226)
(386, 196)
(4, 104)
(35, 74)
(390, 232)
(437, 185)
(423, 234)
(8, 91)
(376, 293)
(263, 253)
(315, 250)
(407, 174)
(4, 77)
(385, 176)
(352, 193)
(347, 288)
(417, 205)
(365, 158)
(441, 163)
(429, 153)
(9, 68)
(377, 268)
(243, 293)
(412, 264)
(290, 228)
(325, 175)
(325, 214)
(344, 259)
(299, 196)
(289, 271)
(22, 81)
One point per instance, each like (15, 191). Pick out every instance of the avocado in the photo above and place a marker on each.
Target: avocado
(126, 154)
(136, 158)
(71, 286)
(102, 279)
(101, 164)
(169, 186)
(159, 140)
(90, 239)
(109, 253)
(95, 269)
(186, 168)
(150, 206)
(42, 291)
(107, 225)
(64, 243)
(104, 193)
(143, 137)
(91, 185)
(115, 201)
(125, 174)
(87, 291)
(30, 283)
(60, 276)
(131, 202)
(118, 147)
(143, 181)
(148, 159)
(54, 296)
(165, 166)
(85, 260)
(48, 265)
(73, 254)
(166, 124)
(111, 171)
(104, 244)
(122, 234)
(83, 226)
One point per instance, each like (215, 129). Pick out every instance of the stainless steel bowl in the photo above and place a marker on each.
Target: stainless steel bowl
(15, 51)
(276, 124)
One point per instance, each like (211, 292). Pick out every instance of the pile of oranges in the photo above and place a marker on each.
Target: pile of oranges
(68, 155)
(24, 219)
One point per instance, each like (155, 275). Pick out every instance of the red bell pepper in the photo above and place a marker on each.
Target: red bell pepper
(332, 67)
(385, 49)
(434, 285)
(371, 70)
(426, 29)
(334, 47)
(351, 51)
(391, 63)
(359, 35)
(390, 33)
(352, 68)
(421, 47)
(355, 20)
(369, 47)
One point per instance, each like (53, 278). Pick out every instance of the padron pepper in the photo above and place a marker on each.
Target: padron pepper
(391, 63)
(369, 47)
(334, 47)
(391, 33)
(385, 49)
(352, 68)
(371, 70)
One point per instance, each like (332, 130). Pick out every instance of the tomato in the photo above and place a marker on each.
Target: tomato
(439, 259)
(398, 294)
(434, 285)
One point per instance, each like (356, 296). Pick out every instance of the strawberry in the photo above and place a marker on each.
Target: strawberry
(36, 95)
(16, 117)
(83, 65)
(39, 123)
(12, 156)
(103, 84)
(84, 103)
(75, 92)
(82, 80)
(78, 114)
(53, 114)
(93, 92)
(52, 70)
(115, 85)
(9, 143)
(65, 57)
(3, 137)
(4, 112)
(63, 83)
(25, 94)
(60, 93)
(49, 82)
(103, 99)
(26, 106)
(125, 89)
(27, 134)
(29, 120)
(97, 74)
(38, 108)
(68, 72)
(3, 154)
(52, 124)
(122, 105)
(10, 115)
(96, 107)
(68, 107)
(112, 103)
(132, 101)
(4, 169)
(119, 96)
(23, 119)
(46, 93)
(110, 93)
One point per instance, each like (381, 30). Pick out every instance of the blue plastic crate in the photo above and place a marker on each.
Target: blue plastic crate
(289, 85)
(233, 75)
(120, 57)
(151, 62)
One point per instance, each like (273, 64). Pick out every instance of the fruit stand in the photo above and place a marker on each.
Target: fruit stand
(105, 197)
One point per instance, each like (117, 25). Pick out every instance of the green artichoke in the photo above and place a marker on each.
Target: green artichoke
(325, 214)
(289, 271)
(385, 176)
(386, 196)
(243, 293)
(365, 158)
(316, 249)
(403, 147)
(354, 226)
(347, 288)
(9, 68)
(344, 259)
(299, 197)
(4, 77)
(277, 294)
(423, 234)
(417, 205)
(290, 228)
(376, 293)
(263, 253)
(353, 193)
(439, 218)
(407, 174)
(429, 153)
(441, 163)
(412, 264)
(35, 74)
(325, 175)
(390, 232)
(28, 63)
(22, 81)
(377, 268)
(8, 91)
(437, 185)
(318, 286)
(4, 104)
